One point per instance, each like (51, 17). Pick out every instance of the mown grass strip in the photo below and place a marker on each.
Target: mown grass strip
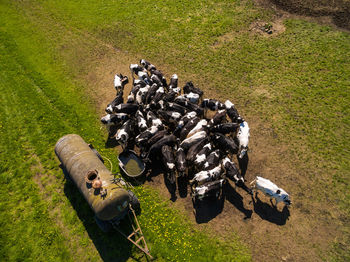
(42, 104)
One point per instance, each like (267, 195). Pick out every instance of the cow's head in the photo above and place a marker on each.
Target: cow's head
(243, 151)
(284, 197)
(106, 119)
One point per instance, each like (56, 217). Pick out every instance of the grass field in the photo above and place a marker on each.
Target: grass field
(296, 84)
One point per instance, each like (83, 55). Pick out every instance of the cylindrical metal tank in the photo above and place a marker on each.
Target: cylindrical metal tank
(79, 160)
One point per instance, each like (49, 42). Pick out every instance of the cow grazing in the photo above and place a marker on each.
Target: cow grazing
(129, 109)
(271, 190)
(116, 101)
(188, 142)
(212, 104)
(156, 137)
(232, 172)
(243, 138)
(205, 176)
(180, 161)
(224, 143)
(232, 112)
(208, 189)
(225, 128)
(169, 162)
(119, 82)
(189, 87)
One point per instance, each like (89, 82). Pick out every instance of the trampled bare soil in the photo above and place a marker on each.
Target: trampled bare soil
(335, 13)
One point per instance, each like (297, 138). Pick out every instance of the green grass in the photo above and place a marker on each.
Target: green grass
(298, 82)
(43, 218)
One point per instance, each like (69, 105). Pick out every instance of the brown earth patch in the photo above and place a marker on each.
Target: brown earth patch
(268, 29)
(335, 13)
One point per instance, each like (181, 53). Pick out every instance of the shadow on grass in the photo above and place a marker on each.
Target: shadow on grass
(270, 213)
(111, 246)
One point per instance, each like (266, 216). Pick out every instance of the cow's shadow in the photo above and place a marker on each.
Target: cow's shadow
(109, 245)
(208, 208)
(243, 164)
(236, 199)
(270, 213)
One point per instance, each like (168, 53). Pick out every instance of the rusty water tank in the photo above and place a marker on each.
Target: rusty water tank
(107, 199)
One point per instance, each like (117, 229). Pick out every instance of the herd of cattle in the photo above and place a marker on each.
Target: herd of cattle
(172, 125)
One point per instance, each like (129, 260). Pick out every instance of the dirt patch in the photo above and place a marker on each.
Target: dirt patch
(268, 29)
(335, 13)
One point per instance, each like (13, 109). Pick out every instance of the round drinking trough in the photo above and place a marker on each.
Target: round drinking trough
(131, 164)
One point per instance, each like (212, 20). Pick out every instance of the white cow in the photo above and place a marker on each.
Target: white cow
(271, 190)
(243, 138)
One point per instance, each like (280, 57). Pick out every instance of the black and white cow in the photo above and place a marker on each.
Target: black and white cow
(192, 97)
(147, 65)
(180, 161)
(232, 112)
(153, 120)
(119, 82)
(142, 139)
(225, 128)
(169, 162)
(212, 160)
(272, 190)
(232, 173)
(189, 87)
(224, 143)
(151, 92)
(141, 121)
(142, 94)
(212, 104)
(173, 83)
(208, 189)
(195, 149)
(188, 127)
(218, 118)
(114, 119)
(125, 132)
(129, 109)
(154, 150)
(201, 156)
(169, 117)
(188, 142)
(201, 126)
(206, 176)
(176, 107)
(116, 101)
(243, 138)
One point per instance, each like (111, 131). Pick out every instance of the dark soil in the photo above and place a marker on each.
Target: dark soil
(336, 12)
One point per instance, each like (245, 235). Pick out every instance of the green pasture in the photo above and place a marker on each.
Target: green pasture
(297, 82)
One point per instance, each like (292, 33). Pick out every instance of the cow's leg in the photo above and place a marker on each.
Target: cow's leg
(274, 205)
